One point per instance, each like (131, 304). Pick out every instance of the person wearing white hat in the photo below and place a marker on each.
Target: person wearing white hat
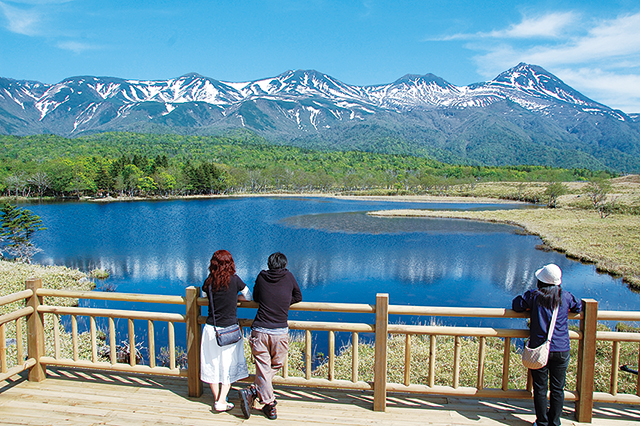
(541, 302)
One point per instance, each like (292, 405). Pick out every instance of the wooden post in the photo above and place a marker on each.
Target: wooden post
(380, 366)
(586, 360)
(35, 332)
(194, 335)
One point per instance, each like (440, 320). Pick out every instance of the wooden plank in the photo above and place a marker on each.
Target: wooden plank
(432, 360)
(407, 359)
(194, 336)
(19, 313)
(152, 344)
(81, 397)
(380, 364)
(94, 339)
(35, 331)
(586, 360)
(615, 362)
(132, 344)
(354, 356)
(111, 313)
(14, 297)
(126, 297)
(19, 341)
(3, 349)
(505, 363)
(74, 336)
(456, 362)
(307, 354)
(56, 336)
(332, 354)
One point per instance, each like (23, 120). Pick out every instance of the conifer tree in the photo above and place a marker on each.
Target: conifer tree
(18, 226)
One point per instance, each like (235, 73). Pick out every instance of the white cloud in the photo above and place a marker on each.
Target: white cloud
(76, 46)
(551, 25)
(21, 21)
(617, 38)
(620, 91)
(600, 58)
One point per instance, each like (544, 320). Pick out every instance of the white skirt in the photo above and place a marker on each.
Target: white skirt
(218, 364)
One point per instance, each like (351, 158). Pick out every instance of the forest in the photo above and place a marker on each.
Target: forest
(149, 165)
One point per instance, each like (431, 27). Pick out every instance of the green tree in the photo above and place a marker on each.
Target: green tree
(18, 226)
(597, 189)
(553, 192)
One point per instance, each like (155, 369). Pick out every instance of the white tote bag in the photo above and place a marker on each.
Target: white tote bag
(536, 358)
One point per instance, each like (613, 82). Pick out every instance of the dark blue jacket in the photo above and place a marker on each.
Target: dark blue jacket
(541, 317)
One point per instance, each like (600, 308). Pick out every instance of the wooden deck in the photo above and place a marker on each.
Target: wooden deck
(79, 397)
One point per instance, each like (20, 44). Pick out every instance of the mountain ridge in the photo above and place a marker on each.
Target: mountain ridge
(525, 107)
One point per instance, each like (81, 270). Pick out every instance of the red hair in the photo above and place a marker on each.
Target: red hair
(221, 268)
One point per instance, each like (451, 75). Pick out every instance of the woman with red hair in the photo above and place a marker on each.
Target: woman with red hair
(222, 365)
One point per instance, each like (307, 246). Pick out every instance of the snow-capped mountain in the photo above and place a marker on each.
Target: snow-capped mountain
(525, 104)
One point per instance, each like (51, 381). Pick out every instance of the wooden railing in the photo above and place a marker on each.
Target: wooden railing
(36, 359)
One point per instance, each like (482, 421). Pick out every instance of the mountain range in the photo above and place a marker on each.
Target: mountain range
(525, 115)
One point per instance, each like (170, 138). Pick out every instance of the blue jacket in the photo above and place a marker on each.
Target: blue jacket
(541, 317)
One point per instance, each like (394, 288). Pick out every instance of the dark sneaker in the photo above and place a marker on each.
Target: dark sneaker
(247, 396)
(269, 410)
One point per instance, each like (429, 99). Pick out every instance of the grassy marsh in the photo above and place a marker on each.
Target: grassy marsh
(573, 228)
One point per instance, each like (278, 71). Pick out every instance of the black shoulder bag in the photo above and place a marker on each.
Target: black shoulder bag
(224, 335)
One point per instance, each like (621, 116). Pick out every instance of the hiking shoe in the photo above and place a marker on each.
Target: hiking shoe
(269, 410)
(247, 396)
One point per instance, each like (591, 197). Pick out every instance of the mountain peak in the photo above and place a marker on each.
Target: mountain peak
(536, 81)
(416, 79)
(192, 75)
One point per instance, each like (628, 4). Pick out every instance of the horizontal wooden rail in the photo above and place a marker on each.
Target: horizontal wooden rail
(17, 369)
(621, 398)
(356, 308)
(112, 313)
(332, 326)
(465, 331)
(125, 297)
(323, 383)
(618, 316)
(12, 316)
(14, 297)
(443, 311)
(144, 369)
(318, 325)
(617, 336)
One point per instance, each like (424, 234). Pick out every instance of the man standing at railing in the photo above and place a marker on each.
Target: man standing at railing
(275, 290)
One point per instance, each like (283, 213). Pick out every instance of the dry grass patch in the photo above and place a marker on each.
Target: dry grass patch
(13, 276)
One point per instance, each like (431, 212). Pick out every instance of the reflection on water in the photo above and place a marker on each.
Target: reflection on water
(336, 251)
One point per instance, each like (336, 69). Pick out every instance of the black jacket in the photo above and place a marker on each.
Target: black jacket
(275, 291)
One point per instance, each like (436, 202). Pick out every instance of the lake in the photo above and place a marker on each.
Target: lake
(336, 252)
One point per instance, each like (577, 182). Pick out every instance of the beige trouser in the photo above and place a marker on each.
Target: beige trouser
(269, 351)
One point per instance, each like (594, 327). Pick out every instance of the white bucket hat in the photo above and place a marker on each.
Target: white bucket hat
(550, 274)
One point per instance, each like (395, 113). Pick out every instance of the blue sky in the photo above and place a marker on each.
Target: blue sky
(594, 46)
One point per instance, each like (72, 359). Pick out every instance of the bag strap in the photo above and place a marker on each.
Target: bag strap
(552, 325)
(210, 297)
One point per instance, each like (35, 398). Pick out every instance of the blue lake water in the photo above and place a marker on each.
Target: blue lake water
(336, 252)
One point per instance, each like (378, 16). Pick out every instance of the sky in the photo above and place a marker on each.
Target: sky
(593, 46)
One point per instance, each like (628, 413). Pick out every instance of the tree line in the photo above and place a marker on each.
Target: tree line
(130, 164)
